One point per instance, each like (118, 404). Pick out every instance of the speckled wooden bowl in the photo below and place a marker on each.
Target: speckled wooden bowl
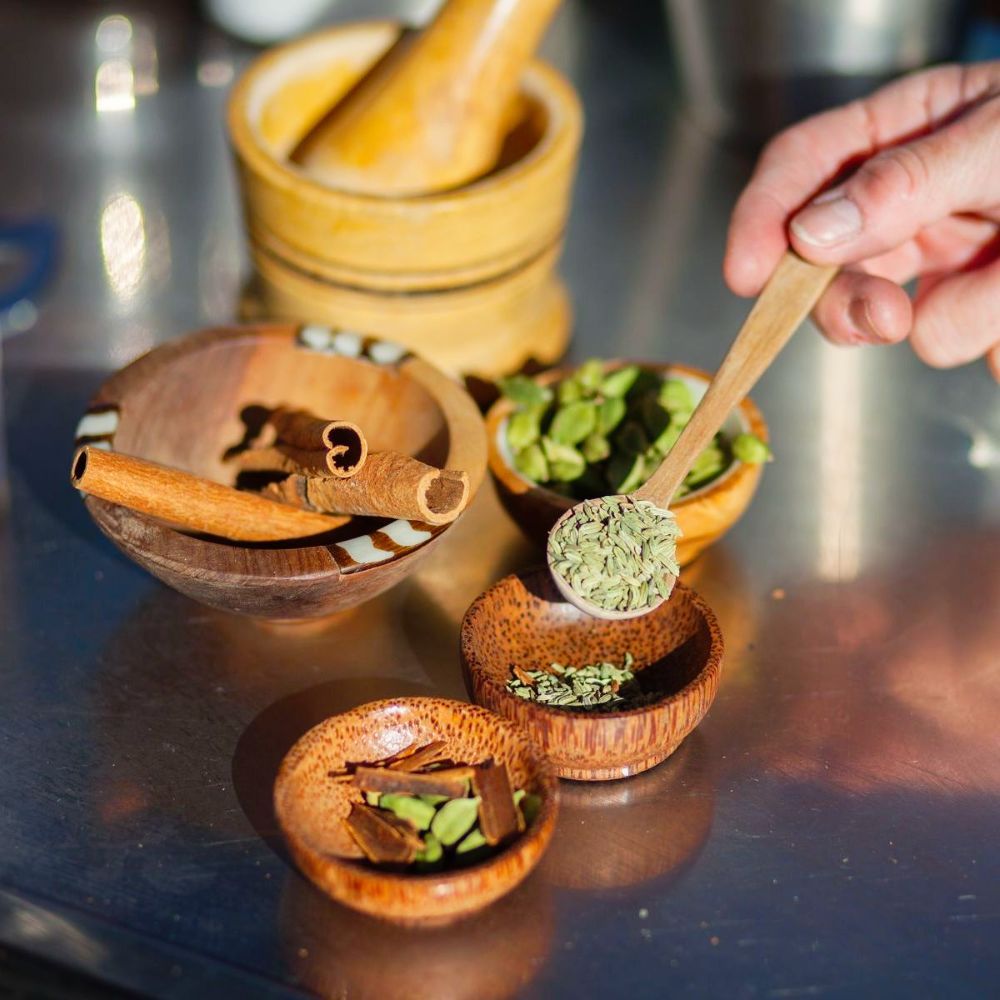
(524, 620)
(310, 806)
(180, 405)
(704, 515)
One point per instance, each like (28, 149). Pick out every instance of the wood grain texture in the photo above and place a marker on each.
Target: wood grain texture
(309, 806)
(180, 404)
(432, 113)
(523, 620)
(704, 516)
(191, 502)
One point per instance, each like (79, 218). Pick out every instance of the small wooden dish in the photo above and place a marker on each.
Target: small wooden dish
(310, 806)
(523, 620)
(704, 515)
(180, 405)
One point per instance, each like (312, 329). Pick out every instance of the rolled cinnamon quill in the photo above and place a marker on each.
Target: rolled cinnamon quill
(191, 502)
(387, 485)
(341, 445)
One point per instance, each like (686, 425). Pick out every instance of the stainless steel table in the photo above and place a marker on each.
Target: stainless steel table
(831, 828)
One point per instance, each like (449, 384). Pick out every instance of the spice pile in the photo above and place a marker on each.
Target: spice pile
(423, 810)
(595, 687)
(618, 553)
(595, 433)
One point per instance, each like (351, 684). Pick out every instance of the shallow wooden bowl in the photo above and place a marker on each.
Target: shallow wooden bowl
(180, 405)
(310, 806)
(523, 620)
(703, 516)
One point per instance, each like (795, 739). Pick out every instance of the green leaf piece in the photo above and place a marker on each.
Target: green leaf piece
(524, 391)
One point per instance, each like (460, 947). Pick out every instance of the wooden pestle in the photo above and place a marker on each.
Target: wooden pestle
(388, 485)
(431, 114)
(191, 502)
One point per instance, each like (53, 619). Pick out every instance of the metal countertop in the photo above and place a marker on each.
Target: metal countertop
(829, 830)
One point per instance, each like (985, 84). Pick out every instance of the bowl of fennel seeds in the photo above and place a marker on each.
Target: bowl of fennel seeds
(632, 412)
(602, 699)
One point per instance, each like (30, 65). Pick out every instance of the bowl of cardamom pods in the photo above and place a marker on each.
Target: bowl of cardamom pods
(416, 810)
(603, 699)
(600, 429)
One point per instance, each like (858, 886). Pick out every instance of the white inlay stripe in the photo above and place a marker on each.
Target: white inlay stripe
(97, 424)
(317, 337)
(348, 344)
(363, 551)
(384, 352)
(403, 533)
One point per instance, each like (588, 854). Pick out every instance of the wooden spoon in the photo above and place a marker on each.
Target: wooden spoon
(785, 301)
(430, 115)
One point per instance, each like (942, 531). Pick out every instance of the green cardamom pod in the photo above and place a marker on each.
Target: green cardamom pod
(596, 448)
(706, 466)
(565, 462)
(410, 808)
(590, 374)
(454, 820)
(531, 462)
(610, 414)
(432, 852)
(675, 394)
(750, 449)
(573, 422)
(523, 428)
(471, 842)
(618, 383)
(569, 390)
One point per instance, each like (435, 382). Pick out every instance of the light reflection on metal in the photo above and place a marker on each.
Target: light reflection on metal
(145, 62)
(215, 73)
(839, 482)
(114, 33)
(114, 86)
(123, 245)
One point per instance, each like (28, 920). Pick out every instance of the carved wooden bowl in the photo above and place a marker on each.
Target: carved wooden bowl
(181, 405)
(310, 806)
(703, 515)
(523, 620)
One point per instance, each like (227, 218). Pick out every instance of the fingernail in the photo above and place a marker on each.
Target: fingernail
(860, 314)
(824, 223)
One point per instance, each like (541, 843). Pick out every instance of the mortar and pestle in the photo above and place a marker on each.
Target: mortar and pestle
(414, 184)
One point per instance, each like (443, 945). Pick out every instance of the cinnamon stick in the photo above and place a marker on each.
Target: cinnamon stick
(497, 812)
(432, 753)
(387, 485)
(450, 781)
(343, 446)
(381, 840)
(191, 502)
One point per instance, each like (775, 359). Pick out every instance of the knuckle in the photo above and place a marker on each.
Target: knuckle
(899, 174)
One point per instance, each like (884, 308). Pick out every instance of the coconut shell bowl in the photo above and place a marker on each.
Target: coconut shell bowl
(704, 515)
(310, 806)
(524, 621)
(184, 406)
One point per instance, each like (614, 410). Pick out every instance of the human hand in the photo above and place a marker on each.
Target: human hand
(924, 202)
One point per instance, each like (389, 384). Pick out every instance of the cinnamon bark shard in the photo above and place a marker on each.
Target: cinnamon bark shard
(451, 781)
(497, 812)
(381, 840)
(425, 756)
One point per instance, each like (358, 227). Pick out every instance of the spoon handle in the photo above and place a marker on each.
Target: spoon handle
(785, 301)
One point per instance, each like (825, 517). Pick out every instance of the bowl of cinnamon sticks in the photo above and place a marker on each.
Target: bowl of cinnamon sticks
(280, 471)
(416, 810)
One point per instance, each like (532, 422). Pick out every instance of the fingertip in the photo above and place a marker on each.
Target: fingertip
(741, 273)
(860, 308)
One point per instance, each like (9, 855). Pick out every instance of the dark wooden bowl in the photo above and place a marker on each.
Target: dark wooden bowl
(181, 404)
(310, 806)
(703, 516)
(523, 620)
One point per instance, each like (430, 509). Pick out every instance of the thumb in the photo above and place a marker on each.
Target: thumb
(899, 191)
